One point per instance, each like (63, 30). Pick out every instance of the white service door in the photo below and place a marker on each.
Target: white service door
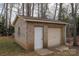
(38, 41)
(54, 37)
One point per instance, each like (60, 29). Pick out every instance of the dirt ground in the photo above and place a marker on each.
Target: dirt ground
(8, 47)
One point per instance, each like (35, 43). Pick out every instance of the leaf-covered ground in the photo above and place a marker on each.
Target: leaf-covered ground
(8, 47)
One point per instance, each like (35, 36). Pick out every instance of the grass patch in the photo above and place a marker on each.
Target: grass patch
(8, 46)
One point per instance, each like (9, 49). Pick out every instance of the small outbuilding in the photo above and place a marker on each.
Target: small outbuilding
(32, 33)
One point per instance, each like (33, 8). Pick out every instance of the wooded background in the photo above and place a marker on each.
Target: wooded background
(66, 12)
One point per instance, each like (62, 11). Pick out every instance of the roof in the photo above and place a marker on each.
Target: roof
(34, 19)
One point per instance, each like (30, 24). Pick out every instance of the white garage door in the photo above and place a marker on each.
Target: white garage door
(54, 36)
(38, 41)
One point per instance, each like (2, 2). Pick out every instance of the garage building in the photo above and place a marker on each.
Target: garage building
(32, 33)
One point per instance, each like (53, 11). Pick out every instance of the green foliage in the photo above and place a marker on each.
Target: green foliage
(77, 25)
(10, 30)
(9, 47)
(3, 29)
(65, 19)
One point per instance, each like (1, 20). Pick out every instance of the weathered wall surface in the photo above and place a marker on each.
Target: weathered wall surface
(30, 30)
(21, 39)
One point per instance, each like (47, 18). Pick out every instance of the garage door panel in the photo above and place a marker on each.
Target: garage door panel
(54, 36)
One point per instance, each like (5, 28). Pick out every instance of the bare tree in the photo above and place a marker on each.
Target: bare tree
(23, 9)
(38, 10)
(41, 10)
(33, 10)
(28, 9)
(6, 15)
(18, 9)
(60, 11)
(11, 6)
(74, 13)
(55, 11)
(44, 8)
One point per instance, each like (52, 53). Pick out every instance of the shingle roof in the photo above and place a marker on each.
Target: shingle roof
(34, 19)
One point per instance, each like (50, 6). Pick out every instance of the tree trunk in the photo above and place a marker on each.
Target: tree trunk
(55, 11)
(6, 16)
(45, 10)
(74, 11)
(23, 9)
(18, 10)
(28, 11)
(33, 10)
(11, 6)
(38, 10)
(60, 12)
(41, 10)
